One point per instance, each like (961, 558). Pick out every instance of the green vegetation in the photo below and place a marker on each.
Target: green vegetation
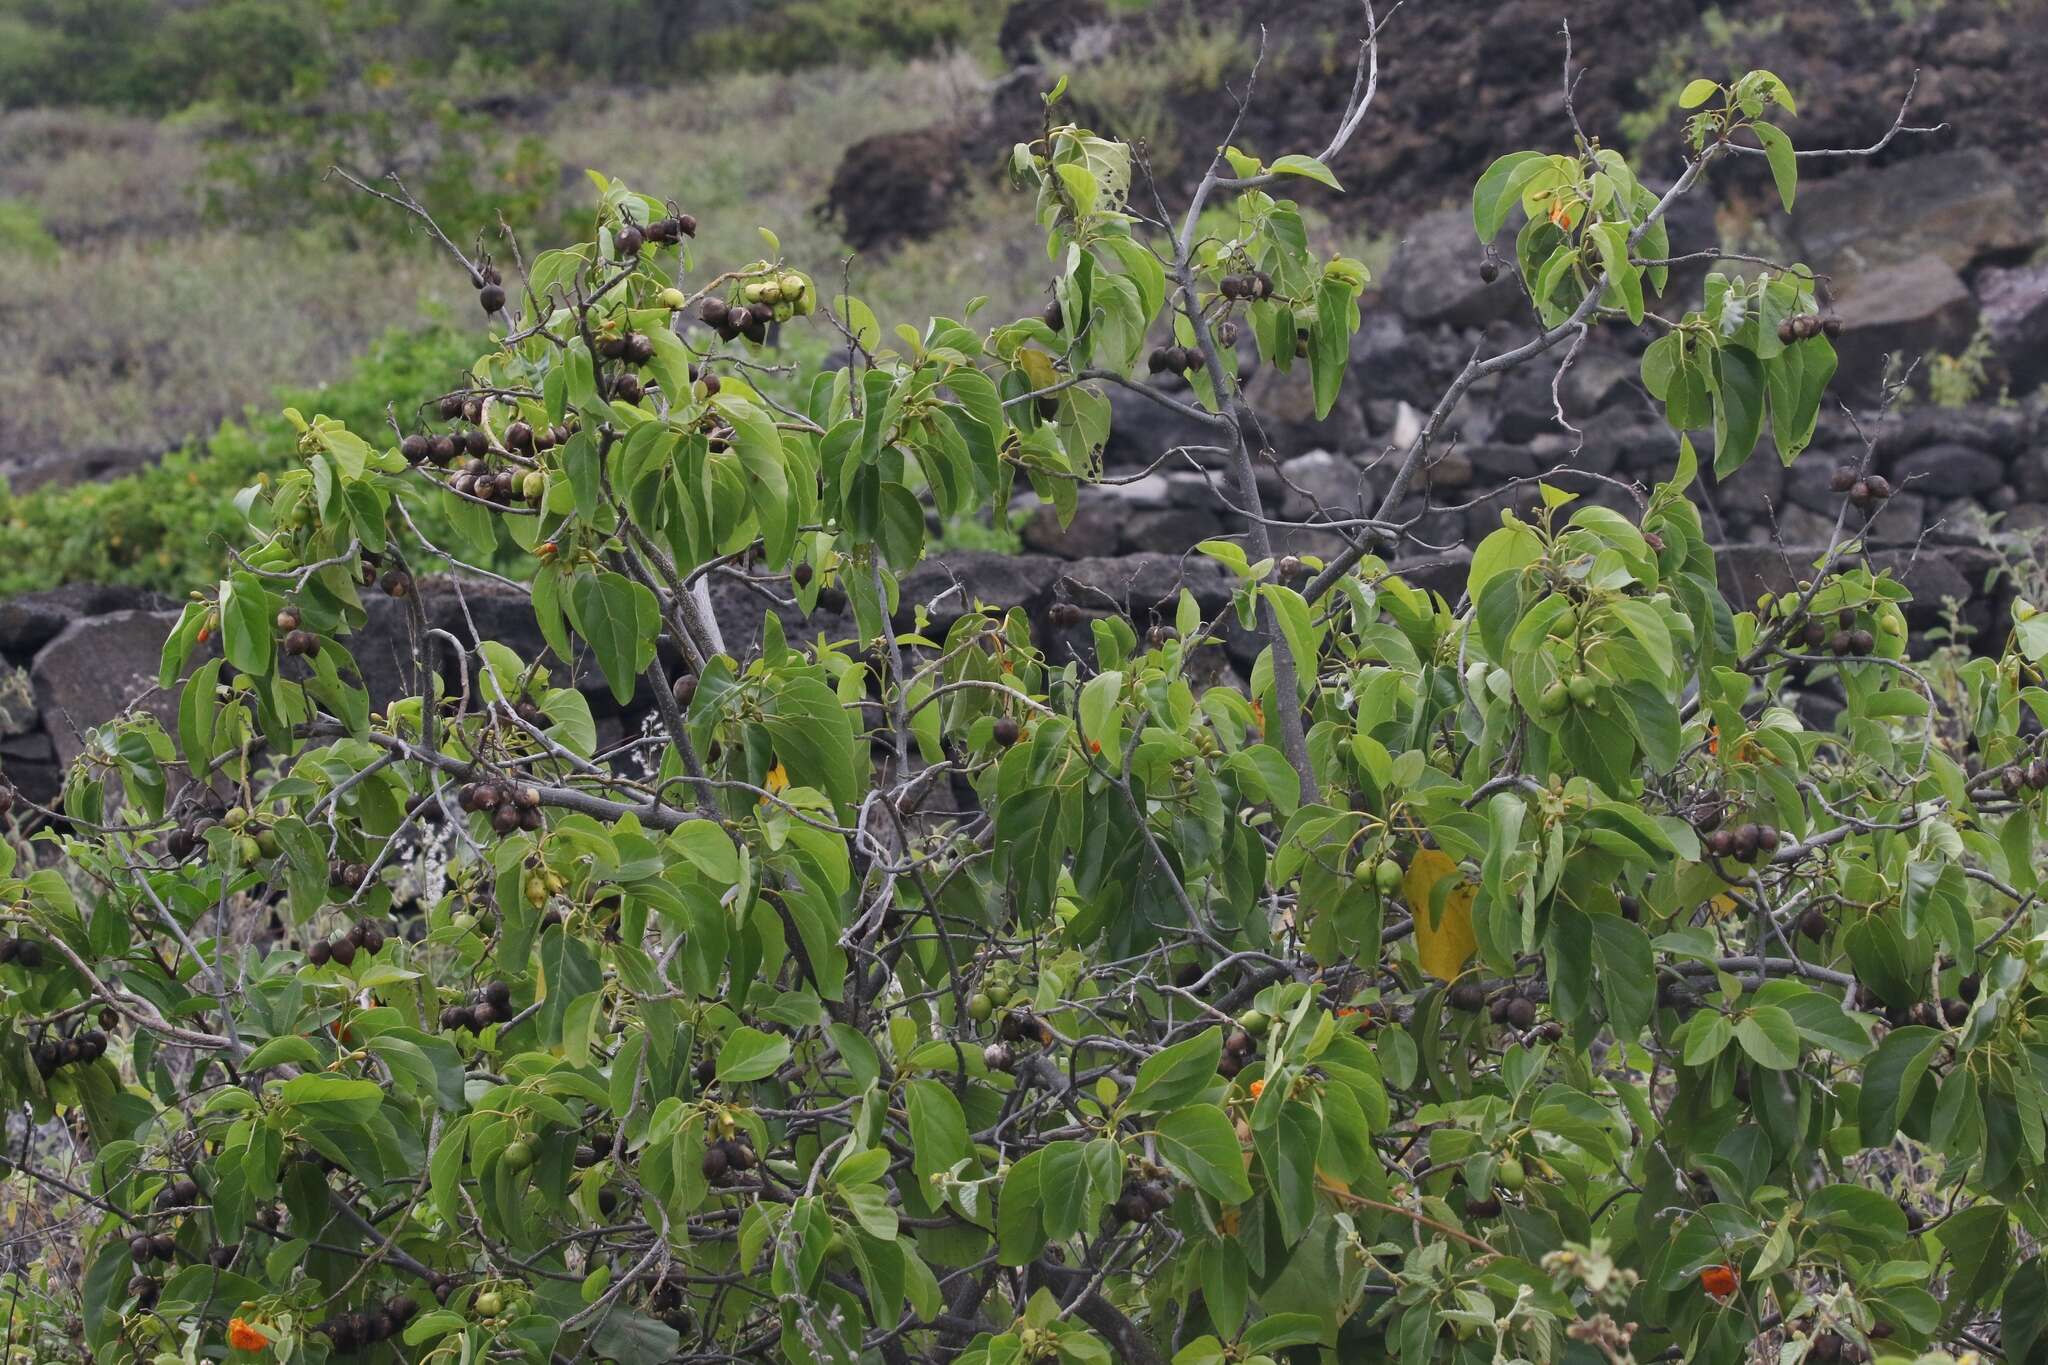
(1516, 979)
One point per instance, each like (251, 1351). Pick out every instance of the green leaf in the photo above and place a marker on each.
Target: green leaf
(1738, 409)
(1199, 1142)
(761, 455)
(1784, 163)
(1102, 718)
(1498, 190)
(751, 1055)
(1890, 1079)
(1177, 1075)
(333, 1100)
(1769, 1037)
(620, 619)
(290, 1049)
(938, 1128)
(1294, 163)
(247, 628)
(1696, 93)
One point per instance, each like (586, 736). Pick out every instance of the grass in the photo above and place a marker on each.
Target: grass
(129, 323)
(134, 346)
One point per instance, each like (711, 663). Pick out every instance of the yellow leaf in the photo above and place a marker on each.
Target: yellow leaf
(1037, 367)
(1443, 940)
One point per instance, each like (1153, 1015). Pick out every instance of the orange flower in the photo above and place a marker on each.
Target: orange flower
(1258, 1089)
(1714, 740)
(243, 1337)
(1719, 1280)
(1094, 746)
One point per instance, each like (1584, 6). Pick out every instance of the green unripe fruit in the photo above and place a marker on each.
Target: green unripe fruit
(1254, 1022)
(1512, 1175)
(1554, 699)
(672, 299)
(792, 287)
(235, 818)
(1582, 689)
(266, 843)
(490, 1303)
(534, 486)
(249, 850)
(998, 992)
(1387, 876)
(518, 1154)
(980, 1007)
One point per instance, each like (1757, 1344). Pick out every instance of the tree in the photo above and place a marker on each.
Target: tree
(1503, 979)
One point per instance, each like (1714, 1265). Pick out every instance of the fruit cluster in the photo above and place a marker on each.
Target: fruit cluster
(1509, 1175)
(540, 883)
(350, 1332)
(1864, 490)
(662, 232)
(491, 1005)
(346, 875)
(1828, 1348)
(1240, 1049)
(760, 302)
(1928, 1013)
(342, 948)
(25, 953)
(1745, 843)
(2015, 778)
(144, 1247)
(81, 1048)
(490, 289)
(1256, 285)
(513, 806)
(724, 1156)
(1174, 360)
(1803, 326)
(1577, 690)
(1142, 1199)
(665, 1301)
(1001, 984)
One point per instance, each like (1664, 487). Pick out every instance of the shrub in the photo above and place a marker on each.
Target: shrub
(1510, 979)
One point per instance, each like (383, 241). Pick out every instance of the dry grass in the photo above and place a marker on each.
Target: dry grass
(149, 325)
(135, 344)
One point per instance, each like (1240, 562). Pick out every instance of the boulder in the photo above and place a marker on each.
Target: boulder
(897, 187)
(1034, 30)
(1434, 279)
(95, 669)
(1170, 530)
(1322, 479)
(1904, 311)
(1959, 206)
(1095, 530)
(33, 619)
(1948, 471)
(2015, 307)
